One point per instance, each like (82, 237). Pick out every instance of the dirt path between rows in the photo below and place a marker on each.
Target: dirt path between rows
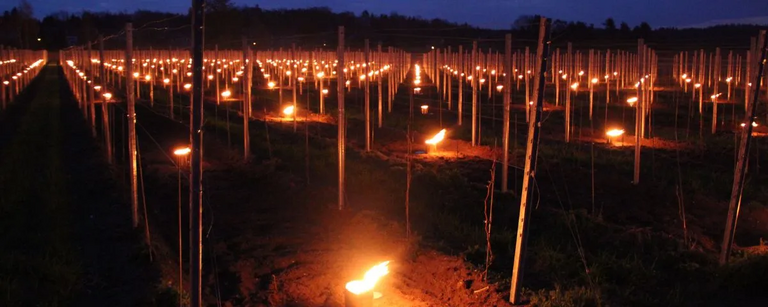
(67, 237)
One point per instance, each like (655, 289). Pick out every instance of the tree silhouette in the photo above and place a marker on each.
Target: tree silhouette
(643, 30)
(624, 30)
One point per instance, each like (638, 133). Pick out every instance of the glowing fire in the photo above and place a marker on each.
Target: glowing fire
(754, 124)
(366, 284)
(614, 132)
(288, 111)
(182, 151)
(437, 138)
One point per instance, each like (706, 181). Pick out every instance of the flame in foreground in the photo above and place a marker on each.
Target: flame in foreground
(288, 110)
(369, 280)
(614, 132)
(437, 138)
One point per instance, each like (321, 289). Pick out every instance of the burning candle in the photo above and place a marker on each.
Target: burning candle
(288, 111)
(359, 292)
(436, 139)
(614, 133)
(424, 109)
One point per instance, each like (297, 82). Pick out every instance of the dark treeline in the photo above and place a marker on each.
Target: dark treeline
(226, 25)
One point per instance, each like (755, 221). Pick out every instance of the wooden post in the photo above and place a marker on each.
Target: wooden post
(448, 78)
(196, 156)
(739, 176)
(534, 125)
(292, 82)
(461, 85)
(379, 77)
(91, 92)
(474, 88)
(3, 71)
(367, 92)
(342, 118)
(507, 99)
(590, 76)
(716, 80)
(132, 163)
(527, 78)
(105, 105)
(639, 111)
(248, 63)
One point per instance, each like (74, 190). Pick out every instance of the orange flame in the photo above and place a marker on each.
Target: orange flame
(369, 280)
(437, 138)
(614, 132)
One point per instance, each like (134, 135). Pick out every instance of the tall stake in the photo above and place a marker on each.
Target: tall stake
(292, 82)
(739, 175)
(367, 97)
(342, 118)
(196, 171)
(105, 105)
(248, 63)
(460, 68)
(379, 78)
(91, 93)
(507, 98)
(534, 125)
(131, 123)
(639, 111)
(474, 89)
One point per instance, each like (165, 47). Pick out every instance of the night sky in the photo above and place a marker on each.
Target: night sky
(483, 13)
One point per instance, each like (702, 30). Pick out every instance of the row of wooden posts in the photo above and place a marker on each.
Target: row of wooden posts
(17, 69)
